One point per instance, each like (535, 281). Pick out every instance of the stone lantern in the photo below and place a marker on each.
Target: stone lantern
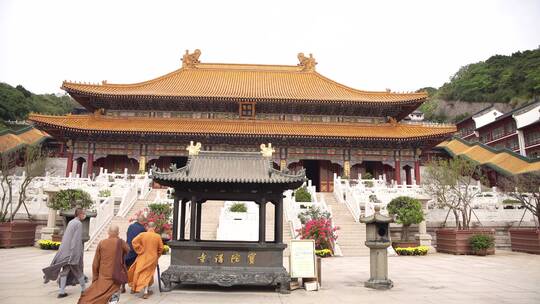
(378, 240)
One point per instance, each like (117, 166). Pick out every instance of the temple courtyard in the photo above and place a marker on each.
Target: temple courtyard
(506, 277)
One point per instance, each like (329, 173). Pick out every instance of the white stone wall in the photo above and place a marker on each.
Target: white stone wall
(486, 118)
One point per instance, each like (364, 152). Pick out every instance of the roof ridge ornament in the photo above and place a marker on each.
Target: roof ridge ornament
(267, 151)
(190, 60)
(392, 121)
(99, 112)
(193, 149)
(307, 63)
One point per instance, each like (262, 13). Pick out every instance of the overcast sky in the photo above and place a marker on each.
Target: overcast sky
(401, 45)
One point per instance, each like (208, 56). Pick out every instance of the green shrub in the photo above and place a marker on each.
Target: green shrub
(511, 202)
(408, 211)
(420, 250)
(481, 241)
(238, 207)
(313, 213)
(367, 175)
(105, 193)
(71, 198)
(302, 195)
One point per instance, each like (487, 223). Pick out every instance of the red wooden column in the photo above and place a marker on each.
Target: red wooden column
(90, 166)
(397, 171)
(408, 177)
(417, 171)
(61, 152)
(69, 166)
(79, 167)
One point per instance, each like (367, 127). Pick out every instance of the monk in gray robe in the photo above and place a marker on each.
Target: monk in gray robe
(67, 265)
(109, 258)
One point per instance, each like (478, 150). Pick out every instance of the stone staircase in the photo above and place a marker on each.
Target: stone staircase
(210, 220)
(123, 222)
(351, 234)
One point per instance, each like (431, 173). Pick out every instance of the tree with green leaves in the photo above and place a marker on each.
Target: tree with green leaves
(500, 78)
(16, 103)
(408, 211)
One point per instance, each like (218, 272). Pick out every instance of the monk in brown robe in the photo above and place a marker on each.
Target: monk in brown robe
(106, 260)
(149, 247)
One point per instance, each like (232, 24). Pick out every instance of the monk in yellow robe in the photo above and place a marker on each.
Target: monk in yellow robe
(149, 247)
(109, 256)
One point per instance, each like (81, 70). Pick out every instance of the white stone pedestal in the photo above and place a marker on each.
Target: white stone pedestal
(423, 238)
(47, 232)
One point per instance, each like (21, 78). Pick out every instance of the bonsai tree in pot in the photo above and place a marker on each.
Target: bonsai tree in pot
(408, 211)
(33, 165)
(66, 201)
(525, 188)
(451, 183)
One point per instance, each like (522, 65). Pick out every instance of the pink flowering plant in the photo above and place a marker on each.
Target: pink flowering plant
(320, 230)
(162, 220)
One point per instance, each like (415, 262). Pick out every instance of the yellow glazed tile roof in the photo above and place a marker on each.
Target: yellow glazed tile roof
(103, 124)
(501, 160)
(10, 140)
(257, 82)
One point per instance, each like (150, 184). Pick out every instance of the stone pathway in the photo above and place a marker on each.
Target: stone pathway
(506, 277)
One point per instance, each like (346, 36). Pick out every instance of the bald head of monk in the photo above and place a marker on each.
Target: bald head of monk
(114, 230)
(151, 225)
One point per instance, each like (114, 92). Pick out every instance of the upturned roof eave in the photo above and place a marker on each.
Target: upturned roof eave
(351, 101)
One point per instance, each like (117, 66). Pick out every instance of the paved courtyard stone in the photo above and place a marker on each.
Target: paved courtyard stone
(506, 277)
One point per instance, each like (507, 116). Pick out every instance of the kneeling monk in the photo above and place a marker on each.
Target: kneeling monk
(108, 258)
(149, 247)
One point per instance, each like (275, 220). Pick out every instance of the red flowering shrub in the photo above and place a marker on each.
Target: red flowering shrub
(321, 231)
(163, 223)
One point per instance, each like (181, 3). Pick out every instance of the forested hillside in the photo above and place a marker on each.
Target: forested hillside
(498, 79)
(17, 102)
(508, 80)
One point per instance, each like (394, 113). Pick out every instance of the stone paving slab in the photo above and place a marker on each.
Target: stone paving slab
(506, 277)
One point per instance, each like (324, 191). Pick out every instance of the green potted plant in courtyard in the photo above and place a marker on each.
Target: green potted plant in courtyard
(302, 195)
(525, 189)
(408, 211)
(66, 201)
(15, 232)
(481, 243)
(450, 182)
(238, 211)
